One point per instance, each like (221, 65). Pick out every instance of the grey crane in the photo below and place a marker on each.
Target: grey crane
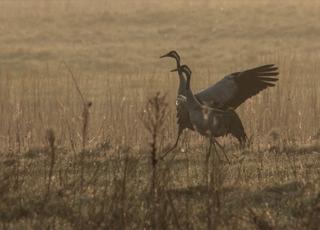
(230, 92)
(208, 121)
(236, 129)
(182, 113)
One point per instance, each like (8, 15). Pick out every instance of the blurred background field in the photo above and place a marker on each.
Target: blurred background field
(113, 50)
(104, 37)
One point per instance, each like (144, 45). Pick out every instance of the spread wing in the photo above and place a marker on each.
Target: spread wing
(236, 88)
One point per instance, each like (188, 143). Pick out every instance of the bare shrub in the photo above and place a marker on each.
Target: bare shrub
(153, 118)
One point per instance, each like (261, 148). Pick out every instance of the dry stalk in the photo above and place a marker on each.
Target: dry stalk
(85, 110)
(124, 192)
(84, 132)
(50, 137)
(174, 211)
(85, 124)
(153, 118)
(314, 214)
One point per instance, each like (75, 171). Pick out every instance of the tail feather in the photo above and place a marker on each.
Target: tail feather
(236, 129)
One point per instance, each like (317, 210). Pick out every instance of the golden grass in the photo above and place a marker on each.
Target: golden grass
(96, 173)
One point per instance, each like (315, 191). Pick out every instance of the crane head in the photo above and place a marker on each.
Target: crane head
(172, 54)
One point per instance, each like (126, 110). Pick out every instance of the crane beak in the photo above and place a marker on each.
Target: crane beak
(174, 70)
(166, 55)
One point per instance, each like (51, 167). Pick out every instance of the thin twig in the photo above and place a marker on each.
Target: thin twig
(75, 83)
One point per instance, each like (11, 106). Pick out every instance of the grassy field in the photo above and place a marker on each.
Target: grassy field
(67, 165)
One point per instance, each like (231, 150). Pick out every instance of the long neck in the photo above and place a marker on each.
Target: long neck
(178, 62)
(182, 81)
(191, 100)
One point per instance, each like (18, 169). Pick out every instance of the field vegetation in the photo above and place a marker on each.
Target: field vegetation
(87, 109)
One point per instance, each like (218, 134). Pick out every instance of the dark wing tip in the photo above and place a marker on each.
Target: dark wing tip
(267, 74)
(263, 68)
(269, 84)
(268, 79)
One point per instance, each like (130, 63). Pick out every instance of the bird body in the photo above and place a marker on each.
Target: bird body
(210, 97)
(205, 120)
(226, 95)
(209, 122)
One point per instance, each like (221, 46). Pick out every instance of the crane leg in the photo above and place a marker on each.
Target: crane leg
(206, 164)
(173, 147)
(222, 149)
(215, 149)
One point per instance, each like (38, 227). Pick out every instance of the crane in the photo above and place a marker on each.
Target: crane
(208, 121)
(230, 92)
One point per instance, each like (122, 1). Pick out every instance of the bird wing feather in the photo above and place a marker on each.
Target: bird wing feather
(236, 88)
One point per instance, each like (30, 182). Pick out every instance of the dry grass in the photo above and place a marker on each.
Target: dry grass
(69, 164)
